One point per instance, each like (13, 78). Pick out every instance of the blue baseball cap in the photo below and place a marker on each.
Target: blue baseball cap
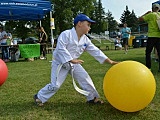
(82, 17)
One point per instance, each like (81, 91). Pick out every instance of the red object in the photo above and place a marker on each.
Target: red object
(3, 72)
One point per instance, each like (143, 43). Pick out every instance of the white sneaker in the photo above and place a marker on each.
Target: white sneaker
(42, 58)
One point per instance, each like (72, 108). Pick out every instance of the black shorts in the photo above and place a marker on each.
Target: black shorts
(125, 41)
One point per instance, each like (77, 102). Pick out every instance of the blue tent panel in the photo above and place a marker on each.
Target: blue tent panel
(156, 2)
(24, 9)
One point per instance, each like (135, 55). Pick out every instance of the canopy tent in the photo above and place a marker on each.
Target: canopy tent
(157, 2)
(24, 9)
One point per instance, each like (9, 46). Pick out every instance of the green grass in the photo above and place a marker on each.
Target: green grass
(26, 78)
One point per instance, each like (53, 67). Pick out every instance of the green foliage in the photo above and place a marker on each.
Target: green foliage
(133, 22)
(21, 29)
(99, 16)
(65, 11)
(64, 17)
(21, 26)
(125, 16)
(130, 18)
(112, 24)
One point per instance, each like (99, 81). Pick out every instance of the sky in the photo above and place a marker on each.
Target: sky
(117, 7)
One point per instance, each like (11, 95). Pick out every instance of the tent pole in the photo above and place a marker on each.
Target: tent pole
(52, 39)
(40, 23)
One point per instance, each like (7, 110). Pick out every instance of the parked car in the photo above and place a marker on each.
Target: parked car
(140, 41)
(143, 40)
(18, 40)
(31, 40)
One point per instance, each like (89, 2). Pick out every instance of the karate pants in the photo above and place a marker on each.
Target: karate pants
(79, 74)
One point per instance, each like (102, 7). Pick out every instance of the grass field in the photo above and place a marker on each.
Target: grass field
(26, 78)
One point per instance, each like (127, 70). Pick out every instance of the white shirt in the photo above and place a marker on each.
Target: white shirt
(69, 48)
(0, 38)
(3, 33)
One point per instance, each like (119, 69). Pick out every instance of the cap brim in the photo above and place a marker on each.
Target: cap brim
(91, 21)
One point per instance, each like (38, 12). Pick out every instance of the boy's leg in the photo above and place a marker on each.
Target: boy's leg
(50, 89)
(85, 81)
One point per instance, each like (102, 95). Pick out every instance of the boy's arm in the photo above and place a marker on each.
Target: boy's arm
(111, 61)
(76, 61)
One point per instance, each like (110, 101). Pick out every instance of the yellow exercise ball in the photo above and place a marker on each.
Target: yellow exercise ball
(129, 86)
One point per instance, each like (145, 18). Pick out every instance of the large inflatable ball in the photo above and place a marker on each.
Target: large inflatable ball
(3, 72)
(129, 86)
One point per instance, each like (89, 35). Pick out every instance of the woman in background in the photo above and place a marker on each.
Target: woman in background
(42, 40)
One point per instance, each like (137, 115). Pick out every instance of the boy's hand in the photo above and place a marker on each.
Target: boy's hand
(114, 62)
(76, 61)
(111, 61)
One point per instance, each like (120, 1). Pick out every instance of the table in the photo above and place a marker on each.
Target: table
(10, 47)
(26, 50)
(29, 50)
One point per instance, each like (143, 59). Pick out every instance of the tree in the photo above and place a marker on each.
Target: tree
(125, 16)
(134, 20)
(129, 18)
(20, 29)
(24, 29)
(64, 14)
(112, 24)
(100, 17)
(64, 17)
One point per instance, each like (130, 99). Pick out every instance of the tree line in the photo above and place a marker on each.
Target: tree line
(64, 12)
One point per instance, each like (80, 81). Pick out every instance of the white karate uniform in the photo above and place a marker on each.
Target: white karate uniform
(69, 48)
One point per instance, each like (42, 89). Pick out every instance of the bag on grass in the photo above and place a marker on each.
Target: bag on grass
(14, 55)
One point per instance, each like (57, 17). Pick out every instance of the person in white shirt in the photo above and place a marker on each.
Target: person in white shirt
(117, 43)
(71, 44)
(0, 44)
(3, 40)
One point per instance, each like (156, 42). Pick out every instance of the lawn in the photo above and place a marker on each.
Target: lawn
(26, 78)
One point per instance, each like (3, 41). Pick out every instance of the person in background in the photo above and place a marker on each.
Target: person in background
(0, 44)
(125, 35)
(70, 45)
(118, 33)
(3, 40)
(117, 43)
(9, 39)
(42, 40)
(153, 33)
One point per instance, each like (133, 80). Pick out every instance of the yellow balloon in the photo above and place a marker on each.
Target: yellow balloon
(129, 86)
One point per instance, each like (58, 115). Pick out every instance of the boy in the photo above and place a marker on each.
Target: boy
(71, 44)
